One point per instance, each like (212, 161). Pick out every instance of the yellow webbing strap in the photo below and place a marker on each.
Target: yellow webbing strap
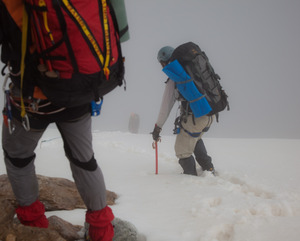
(23, 53)
(42, 3)
(106, 34)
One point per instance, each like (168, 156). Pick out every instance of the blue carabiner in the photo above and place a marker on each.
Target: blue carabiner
(96, 107)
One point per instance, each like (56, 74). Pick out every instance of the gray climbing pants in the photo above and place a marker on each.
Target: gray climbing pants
(19, 158)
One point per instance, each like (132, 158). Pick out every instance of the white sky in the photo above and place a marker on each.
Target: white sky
(253, 46)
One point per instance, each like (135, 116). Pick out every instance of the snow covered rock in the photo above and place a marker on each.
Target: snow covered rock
(125, 230)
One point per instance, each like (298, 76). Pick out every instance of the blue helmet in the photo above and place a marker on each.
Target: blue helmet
(164, 54)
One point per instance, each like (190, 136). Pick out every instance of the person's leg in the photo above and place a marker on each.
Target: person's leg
(19, 156)
(184, 148)
(186, 141)
(202, 157)
(77, 137)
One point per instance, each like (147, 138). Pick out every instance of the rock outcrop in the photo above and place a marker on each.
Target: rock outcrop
(56, 194)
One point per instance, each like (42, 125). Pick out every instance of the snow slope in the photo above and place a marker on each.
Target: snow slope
(255, 197)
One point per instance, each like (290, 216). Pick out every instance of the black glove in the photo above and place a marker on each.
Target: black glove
(155, 133)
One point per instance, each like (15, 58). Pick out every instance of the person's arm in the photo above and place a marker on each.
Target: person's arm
(167, 104)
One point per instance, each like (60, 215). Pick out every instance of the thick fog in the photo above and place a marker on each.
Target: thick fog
(252, 45)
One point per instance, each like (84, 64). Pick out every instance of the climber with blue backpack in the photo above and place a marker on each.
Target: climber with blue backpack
(193, 82)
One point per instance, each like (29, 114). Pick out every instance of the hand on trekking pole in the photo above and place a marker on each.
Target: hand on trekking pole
(155, 133)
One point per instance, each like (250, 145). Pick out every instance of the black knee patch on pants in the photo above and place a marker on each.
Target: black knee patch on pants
(19, 162)
(91, 165)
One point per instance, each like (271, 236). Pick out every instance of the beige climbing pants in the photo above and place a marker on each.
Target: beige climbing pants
(185, 143)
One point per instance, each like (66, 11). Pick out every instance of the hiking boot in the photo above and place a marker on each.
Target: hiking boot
(188, 165)
(212, 171)
(205, 163)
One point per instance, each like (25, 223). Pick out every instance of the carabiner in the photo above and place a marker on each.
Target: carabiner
(11, 127)
(5, 82)
(25, 122)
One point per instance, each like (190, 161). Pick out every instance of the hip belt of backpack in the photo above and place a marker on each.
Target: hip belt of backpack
(178, 126)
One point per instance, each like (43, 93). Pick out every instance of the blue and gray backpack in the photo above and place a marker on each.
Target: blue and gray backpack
(196, 81)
